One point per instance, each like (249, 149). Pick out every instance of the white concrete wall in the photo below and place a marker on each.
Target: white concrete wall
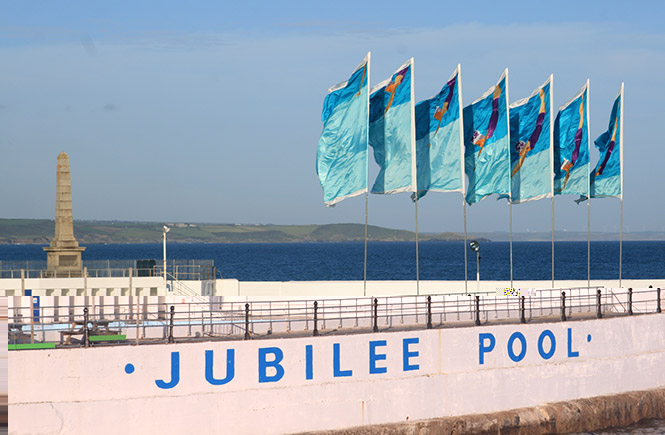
(91, 391)
(309, 289)
(146, 286)
(154, 286)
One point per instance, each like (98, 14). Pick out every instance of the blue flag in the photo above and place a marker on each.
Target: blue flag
(607, 178)
(530, 146)
(392, 132)
(487, 142)
(571, 146)
(342, 153)
(439, 141)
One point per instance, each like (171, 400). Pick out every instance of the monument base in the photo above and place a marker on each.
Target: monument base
(64, 262)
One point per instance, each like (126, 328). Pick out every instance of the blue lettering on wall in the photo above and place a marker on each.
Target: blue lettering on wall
(541, 339)
(482, 348)
(337, 372)
(230, 367)
(408, 354)
(571, 353)
(275, 364)
(374, 357)
(175, 373)
(511, 342)
(309, 362)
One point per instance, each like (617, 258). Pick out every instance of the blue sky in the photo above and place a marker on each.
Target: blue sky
(210, 111)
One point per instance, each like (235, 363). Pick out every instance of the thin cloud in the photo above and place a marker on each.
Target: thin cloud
(88, 45)
(110, 107)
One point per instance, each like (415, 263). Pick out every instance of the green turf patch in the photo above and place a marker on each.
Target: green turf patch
(107, 337)
(22, 346)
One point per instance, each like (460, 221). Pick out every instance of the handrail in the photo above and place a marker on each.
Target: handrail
(214, 318)
(187, 291)
(618, 301)
(190, 269)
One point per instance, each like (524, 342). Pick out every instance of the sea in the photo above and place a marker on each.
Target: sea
(389, 260)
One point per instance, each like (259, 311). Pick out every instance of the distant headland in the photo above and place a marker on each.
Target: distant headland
(40, 231)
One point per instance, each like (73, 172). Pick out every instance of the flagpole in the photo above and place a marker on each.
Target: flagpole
(462, 171)
(621, 186)
(552, 164)
(588, 244)
(510, 194)
(365, 262)
(466, 279)
(510, 207)
(620, 236)
(417, 263)
(552, 241)
(369, 88)
(588, 183)
(414, 165)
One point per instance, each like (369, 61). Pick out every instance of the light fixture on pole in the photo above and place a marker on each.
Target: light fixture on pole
(166, 230)
(475, 246)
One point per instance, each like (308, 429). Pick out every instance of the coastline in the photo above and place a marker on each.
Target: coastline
(40, 231)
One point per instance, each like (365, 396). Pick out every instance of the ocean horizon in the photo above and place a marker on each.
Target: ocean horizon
(330, 261)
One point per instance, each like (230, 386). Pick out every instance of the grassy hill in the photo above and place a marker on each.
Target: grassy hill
(40, 231)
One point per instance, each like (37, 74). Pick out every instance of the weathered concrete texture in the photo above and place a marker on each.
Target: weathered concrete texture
(4, 416)
(581, 415)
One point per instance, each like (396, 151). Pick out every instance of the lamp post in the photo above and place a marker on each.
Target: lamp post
(475, 246)
(165, 230)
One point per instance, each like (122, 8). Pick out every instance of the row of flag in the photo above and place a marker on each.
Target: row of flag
(520, 151)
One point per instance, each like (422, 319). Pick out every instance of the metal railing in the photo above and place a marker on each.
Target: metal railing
(144, 322)
(198, 270)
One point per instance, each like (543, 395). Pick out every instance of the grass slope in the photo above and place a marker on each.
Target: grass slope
(41, 231)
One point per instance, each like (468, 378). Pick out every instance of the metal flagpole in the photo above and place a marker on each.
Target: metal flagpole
(552, 241)
(417, 266)
(510, 207)
(588, 183)
(461, 142)
(369, 58)
(552, 164)
(414, 165)
(365, 264)
(621, 196)
(466, 277)
(510, 194)
(620, 237)
(588, 243)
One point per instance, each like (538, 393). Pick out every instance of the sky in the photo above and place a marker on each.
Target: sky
(211, 111)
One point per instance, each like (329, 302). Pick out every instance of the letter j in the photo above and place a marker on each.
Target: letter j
(175, 373)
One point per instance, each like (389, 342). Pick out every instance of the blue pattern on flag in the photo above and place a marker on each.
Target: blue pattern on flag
(438, 143)
(390, 133)
(487, 154)
(571, 149)
(531, 174)
(606, 177)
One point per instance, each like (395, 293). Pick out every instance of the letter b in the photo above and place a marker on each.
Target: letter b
(275, 363)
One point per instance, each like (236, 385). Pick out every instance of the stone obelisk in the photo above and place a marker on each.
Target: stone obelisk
(64, 253)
